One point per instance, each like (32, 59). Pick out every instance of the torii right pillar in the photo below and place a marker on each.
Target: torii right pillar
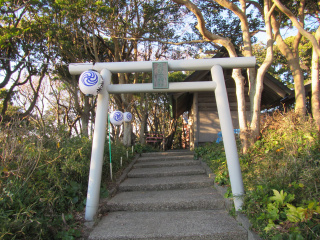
(229, 141)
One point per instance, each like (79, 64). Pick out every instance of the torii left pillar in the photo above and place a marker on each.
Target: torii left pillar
(98, 141)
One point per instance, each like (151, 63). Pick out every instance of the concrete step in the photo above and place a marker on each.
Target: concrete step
(166, 163)
(165, 183)
(166, 158)
(168, 153)
(186, 225)
(168, 200)
(166, 171)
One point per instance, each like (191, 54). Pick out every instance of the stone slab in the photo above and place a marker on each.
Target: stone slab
(167, 163)
(185, 225)
(166, 158)
(165, 183)
(166, 171)
(169, 200)
(168, 153)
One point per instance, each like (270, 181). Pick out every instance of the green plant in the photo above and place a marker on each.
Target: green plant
(291, 220)
(275, 208)
(43, 180)
(71, 232)
(143, 148)
(213, 154)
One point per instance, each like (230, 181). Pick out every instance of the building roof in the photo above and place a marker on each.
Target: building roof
(273, 91)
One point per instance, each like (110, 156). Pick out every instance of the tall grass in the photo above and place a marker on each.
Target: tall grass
(287, 152)
(43, 180)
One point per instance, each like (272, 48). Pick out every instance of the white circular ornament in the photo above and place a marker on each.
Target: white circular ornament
(90, 82)
(116, 118)
(127, 117)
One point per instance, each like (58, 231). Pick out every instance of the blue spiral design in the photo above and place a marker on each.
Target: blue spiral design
(118, 116)
(89, 78)
(129, 116)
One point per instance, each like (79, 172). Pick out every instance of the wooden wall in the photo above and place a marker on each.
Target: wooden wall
(204, 114)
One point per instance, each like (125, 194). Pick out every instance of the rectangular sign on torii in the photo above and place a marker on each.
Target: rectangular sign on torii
(217, 85)
(160, 75)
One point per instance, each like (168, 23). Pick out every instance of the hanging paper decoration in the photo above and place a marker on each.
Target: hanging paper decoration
(90, 82)
(127, 117)
(116, 118)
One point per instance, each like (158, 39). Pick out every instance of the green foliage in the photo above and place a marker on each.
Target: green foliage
(213, 154)
(286, 221)
(176, 77)
(43, 181)
(280, 68)
(281, 177)
(143, 148)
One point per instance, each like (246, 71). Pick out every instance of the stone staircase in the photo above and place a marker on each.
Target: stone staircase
(167, 195)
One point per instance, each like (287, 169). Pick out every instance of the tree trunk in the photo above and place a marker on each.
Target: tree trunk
(85, 117)
(294, 65)
(255, 99)
(172, 131)
(315, 101)
(82, 109)
(299, 90)
(242, 113)
(127, 129)
(144, 117)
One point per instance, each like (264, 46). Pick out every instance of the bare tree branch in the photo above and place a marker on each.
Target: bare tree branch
(296, 23)
(160, 41)
(257, 5)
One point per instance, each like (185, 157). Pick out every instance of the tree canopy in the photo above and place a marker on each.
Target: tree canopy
(40, 38)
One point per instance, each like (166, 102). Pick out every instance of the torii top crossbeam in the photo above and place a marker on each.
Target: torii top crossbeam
(173, 65)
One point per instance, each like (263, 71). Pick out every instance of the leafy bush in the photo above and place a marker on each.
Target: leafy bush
(288, 218)
(285, 160)
(281, 177)
(43, 178)
(143, 148)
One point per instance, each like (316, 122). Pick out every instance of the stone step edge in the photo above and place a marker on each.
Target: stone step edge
(165, 186)
(165, 158)
(165, 174)
(165, 154)
(159, 207)
(215, 203)
(166, 163)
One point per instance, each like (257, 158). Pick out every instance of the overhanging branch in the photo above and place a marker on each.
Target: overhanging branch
(161, 41)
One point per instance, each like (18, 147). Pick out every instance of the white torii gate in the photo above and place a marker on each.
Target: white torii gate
(217, 85)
